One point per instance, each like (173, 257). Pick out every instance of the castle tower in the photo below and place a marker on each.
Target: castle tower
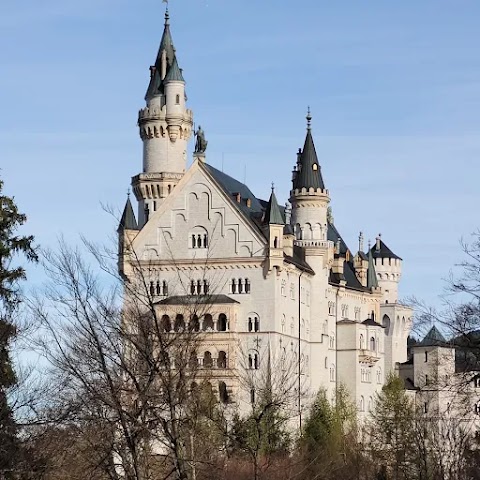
(273, 221)
(308, 196)
(165, 126)
(389, 270)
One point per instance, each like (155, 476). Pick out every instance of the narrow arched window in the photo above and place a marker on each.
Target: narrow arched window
(194, 242)
(250, 324)
(222, 360)
(362, 404)
(205, 241)
(256, 324)
(157, 288)
(205, 287)
(208, 322)
(165, 323)
(234, 286)
(362, 344)
(199, 241)
(275, 242)
(207, 360)
(199, 287)
(256, 361)
(372, 344)
(177, 99)
(165, 288)
(240, 286)
(252, 395)
(192, 287)
(152, 289)
(250, 361)
(222, 323)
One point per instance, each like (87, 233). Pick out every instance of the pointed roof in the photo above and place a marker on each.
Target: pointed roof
(433, 338)
(383, 251)
(372, 281)
(128, 220)
(174, 73)
(308, 173)
(272, 213)
(155, 87)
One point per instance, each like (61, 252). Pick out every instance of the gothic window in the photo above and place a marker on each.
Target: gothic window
(256, 324)
(207, 360)
(331, 308)
(194, 241)
(250, 324)
(370, 404)
(275, 242)
(283, 288)
(362, 342)
(222, 323)
(157, 288)
(283, 323)
(256, 361)
(372, 344)
(386, 324)
(357, 313)
(332, 340)
(361, 406)
(165, 287)
(240, 286)
(247, 285)
(222, 360)
(292, 291)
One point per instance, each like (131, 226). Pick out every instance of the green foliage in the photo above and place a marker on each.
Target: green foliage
(11, 245)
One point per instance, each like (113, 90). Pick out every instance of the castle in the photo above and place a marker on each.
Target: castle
(281, 281)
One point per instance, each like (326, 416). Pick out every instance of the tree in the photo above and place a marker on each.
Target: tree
(11, 246)
(329, 444)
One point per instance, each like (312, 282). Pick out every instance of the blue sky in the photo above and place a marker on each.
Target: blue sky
(394, 89)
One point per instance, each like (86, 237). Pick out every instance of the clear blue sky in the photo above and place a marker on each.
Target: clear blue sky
(394, 89)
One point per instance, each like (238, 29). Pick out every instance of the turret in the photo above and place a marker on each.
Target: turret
(360, 262)
(127, 231)
(309, 197)
(165, 126)
(274, 225)
(388, 267)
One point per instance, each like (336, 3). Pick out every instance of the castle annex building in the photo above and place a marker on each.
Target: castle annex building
(281, 281)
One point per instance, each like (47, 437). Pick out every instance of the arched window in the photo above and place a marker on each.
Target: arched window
(177, 99)
(165, 288)
(250, 324)
(158, 291)
(326, 362)
(165, 323)
(386, 324)
(194, 324)
(332, 340)
(283, 323)
(362, 342)
(222, 392)
(222, 323)
(192, 287)
(247, 285)
(207, 322)
(252, 395)
(283, 288)
(193, 360)
(256, 361)
(370, 404)
(256, 324)
(206, 287)
(179, 323)
(379, 375)
(152, 289)
(234, 286)
(372, 344)
(207, 360)
(240, 285)
(222, 359)
(199, 237)
(194, 241)
(332, 373)
(250, 361)
(362, 404)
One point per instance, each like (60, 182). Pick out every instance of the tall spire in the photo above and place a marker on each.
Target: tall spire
(372, 281)
(273, 215)
(128, 220)
(308, 173)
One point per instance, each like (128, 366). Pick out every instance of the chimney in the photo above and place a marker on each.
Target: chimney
(378, 244)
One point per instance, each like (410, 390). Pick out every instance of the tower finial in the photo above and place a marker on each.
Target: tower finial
(309, 119)
(273, 187)
(360, 242)
(167, 15)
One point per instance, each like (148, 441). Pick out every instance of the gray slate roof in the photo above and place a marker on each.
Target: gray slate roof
(372, 323)
(372, 280)
(128, 220)
(383, 252)
(272, 213)
(174, 73)
(197, 300)
(308, 174)
(433, 339)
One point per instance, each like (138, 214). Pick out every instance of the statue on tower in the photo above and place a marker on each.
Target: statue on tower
(201, 143)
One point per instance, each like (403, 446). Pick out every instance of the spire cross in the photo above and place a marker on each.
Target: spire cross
(309, 119)
(128, 192)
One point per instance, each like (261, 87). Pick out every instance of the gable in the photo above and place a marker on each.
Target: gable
(198, 221)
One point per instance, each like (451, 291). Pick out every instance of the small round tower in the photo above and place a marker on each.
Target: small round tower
(389, 270)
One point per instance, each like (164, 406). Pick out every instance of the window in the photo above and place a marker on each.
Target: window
(357, 313)
(222, 392)
(426, 379)
(177, 99)
(476, 382)
(332, 373)
(283, 323)
(362, 342)
(477, 408)
(165, 323)
(283, 288)
(256, 324)
(361, 405)
(199, 287)
(379, 375)
(199, 238)
(426, 356)
(222, 360)
(222, 323)
(247, 285)
(372, 344)
(179, 325)
(425, 407)
(240, 285)
(207, 322)
(331, 308)
(326, 362)
(292, 291)
(194, 324)
(332, 340)
(253, 361)
(252, 395)
(207, 360)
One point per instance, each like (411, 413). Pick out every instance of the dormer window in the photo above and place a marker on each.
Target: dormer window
(315, 167)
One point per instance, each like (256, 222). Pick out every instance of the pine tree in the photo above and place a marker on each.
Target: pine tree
(11, 245)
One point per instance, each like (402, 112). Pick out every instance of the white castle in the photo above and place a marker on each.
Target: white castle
(279, 279)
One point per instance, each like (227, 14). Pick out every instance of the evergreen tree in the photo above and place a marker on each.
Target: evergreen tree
(11, 245)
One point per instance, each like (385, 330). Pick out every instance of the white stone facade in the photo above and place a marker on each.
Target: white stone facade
(289, 289)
